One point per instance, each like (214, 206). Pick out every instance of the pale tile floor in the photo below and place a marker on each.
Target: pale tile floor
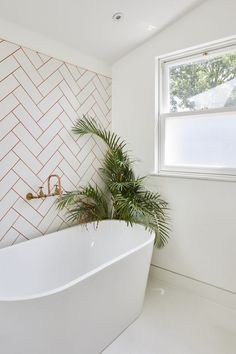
(175, 321)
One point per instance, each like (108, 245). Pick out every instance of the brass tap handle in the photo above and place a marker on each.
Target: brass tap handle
(57, 190)
(41, 193)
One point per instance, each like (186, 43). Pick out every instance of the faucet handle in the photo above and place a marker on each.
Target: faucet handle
(41, 193)
(58, 190)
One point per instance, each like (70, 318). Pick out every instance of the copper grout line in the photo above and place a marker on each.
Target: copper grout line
(45, 131)
(35, 87)
(75, 96)
(49, 210)
(101, 113)
(4, 215)
(99, 104)
(21, 215)
(102, 87)
(63, 111)
(20, 140)
(9, 55)
(87, 83)
(11, 186)
(20, 50)
(22, 104)
(12, 110)
(85, 102)
(36, 68)
(83, 68)
(11, 130)
(12, 92)
(56, 103)
(44, 165)
(105, 88)
(12, 146)
(19, 235)
(20, 159)
(50, 157)
(11, 73)
(72, 77)
(66, 64)
(51, 73)
(26, 128)
(45, 81)
(12, 167)
(2, 237)
(65, 96)
(61, 120)
(29, 222)
(44, 113)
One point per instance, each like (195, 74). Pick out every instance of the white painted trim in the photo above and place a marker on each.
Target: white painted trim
(162, 62)
(213, 45)
(209, 291)
(194, 175)
(22, 36)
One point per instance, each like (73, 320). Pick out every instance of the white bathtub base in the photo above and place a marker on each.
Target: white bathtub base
(82, 319)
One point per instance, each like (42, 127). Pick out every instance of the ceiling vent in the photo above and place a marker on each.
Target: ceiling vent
(118, 16)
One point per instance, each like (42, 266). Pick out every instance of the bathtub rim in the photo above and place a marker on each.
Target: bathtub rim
(77, 280)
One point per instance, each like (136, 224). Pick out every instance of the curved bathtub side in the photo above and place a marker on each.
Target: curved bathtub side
(84, 318)
(53, 263)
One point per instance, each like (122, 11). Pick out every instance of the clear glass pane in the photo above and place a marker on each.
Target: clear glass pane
(201, 141)
(203, 84)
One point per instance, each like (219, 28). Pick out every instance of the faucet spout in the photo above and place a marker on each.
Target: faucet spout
(58, 190)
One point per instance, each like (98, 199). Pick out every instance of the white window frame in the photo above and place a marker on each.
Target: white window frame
(161, 88)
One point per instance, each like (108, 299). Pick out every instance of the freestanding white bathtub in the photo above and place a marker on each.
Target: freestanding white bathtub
(74, 291)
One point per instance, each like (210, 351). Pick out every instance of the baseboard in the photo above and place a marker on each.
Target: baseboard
(218, 295)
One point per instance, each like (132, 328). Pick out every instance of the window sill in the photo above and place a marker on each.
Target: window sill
(194, 175)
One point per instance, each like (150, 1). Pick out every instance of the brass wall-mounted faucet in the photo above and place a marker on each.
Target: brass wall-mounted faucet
(58, 189)
(40, 194)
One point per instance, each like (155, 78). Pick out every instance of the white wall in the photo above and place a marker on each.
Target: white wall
(203, 242)
(18, 34)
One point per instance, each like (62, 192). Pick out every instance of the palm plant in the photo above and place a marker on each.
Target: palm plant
(123, 196)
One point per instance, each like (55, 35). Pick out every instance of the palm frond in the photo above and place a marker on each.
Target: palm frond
(88, 125)
(124, 196)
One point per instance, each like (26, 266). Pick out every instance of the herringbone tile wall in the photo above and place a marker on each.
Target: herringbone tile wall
(40, 98)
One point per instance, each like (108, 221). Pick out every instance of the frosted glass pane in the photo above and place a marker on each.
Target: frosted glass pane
(201, 141)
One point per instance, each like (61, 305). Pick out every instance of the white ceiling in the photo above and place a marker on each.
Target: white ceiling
(87, 25)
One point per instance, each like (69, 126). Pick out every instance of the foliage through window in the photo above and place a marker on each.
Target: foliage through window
(203, 84)
(197, 112)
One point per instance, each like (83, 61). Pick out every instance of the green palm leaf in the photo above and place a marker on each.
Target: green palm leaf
(124, 196)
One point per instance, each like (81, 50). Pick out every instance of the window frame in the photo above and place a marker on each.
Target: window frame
(161, 112)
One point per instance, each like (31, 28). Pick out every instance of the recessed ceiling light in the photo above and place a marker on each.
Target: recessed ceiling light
(118, 16)
(151, 28)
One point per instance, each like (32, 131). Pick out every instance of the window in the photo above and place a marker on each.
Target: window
(197, 112)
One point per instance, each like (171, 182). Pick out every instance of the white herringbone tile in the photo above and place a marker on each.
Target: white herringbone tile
(26, 101)
(29, 141)
(7, 49)
(28, 122)
(28, 67)
(33, 57)
(28, 85)
(8, 66)
(40, 99)
(6, 125)
(7, 105)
